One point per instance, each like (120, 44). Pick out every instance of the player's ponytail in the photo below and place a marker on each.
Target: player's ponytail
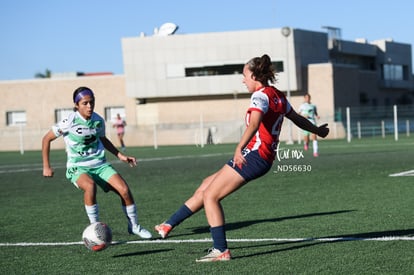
(262, 69)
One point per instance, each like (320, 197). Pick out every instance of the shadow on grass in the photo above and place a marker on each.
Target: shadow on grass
(305, 243)
(140, 253)
(242, 224)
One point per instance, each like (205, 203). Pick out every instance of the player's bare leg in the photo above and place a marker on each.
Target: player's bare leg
(88, 186)
(128, 206)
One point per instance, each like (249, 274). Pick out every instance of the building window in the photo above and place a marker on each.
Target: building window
(214, 70)
(111, 112)
(278, 66)
(60, 114)
(394, 72)
(224, 69)
(14, 118)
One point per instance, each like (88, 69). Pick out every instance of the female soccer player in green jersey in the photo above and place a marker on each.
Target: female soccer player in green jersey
(309, 110)
(84, 134)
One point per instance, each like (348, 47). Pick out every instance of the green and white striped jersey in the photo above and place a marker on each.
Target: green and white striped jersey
(309, 111)
(81, 136)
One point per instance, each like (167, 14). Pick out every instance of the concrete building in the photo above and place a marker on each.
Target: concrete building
(178, 89)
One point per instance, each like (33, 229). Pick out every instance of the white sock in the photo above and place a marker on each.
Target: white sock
(131, 213)
(93, 212)
(315, 146)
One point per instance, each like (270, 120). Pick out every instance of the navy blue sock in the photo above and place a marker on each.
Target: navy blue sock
(219, 237)
(182, 213)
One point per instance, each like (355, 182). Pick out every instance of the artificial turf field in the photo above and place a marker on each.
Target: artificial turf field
(340, 213)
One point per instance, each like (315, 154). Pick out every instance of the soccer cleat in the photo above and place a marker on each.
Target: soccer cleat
(215, 255)
(315, 155)
(306, 147)
(140, 231)
(163, 229)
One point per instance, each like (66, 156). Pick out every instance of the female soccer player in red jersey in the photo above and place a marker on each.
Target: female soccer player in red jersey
(252, 158)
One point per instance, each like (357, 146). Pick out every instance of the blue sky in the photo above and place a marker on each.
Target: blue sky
(85, 35)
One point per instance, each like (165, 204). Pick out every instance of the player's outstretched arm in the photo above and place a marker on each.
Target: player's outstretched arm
(132, 161)
(47, 139)
(305, 124)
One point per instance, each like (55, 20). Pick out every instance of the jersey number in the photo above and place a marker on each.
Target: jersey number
(89, 139)
(276, 126)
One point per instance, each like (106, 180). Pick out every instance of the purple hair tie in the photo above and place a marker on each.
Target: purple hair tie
(82, 94)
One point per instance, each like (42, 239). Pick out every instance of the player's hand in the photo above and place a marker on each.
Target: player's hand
(48, 172)
(132, 161)
(238, 159)
(323, 130)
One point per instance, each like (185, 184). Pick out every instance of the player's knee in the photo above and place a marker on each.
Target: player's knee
(123, 191)
(198, 195)
(87, 185)
(209, 196)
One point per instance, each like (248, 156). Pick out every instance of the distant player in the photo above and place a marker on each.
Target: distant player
(120, 130)
(308, 110)
(84, 134)
(253, 156)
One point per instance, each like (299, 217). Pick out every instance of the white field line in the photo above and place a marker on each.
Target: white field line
(405, 173)
(336, 239)
(17, 168)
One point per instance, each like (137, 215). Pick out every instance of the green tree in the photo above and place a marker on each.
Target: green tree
(46, 74)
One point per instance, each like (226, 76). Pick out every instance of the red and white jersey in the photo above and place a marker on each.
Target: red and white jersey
(274, 106)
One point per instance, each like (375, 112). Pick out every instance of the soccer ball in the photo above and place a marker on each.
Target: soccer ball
(97, 236)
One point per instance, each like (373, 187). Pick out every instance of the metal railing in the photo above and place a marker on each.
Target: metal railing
(349, 123)
(377, 121)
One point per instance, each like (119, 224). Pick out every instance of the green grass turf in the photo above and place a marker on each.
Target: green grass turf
(346, 194)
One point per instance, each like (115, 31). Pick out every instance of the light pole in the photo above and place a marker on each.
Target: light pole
(286, 32)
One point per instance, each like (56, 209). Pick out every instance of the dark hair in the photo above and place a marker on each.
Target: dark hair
(79, 90)
(262, 69)
(80, 93)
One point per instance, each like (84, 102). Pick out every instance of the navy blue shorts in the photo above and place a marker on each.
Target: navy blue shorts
(254, 168)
